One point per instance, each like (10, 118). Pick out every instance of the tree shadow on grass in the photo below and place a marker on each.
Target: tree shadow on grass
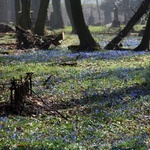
(109, 99)
(106, 98)
(131, 143)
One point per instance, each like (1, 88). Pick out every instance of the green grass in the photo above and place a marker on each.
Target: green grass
(7, 38)
(106, 100)
(101, 29)
(138, 27)
(110, 107)
(93, 29)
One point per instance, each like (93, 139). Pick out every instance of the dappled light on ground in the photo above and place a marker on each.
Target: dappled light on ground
(105, 98)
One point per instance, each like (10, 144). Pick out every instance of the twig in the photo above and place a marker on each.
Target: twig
(7, 43)
(47, 105)
(47, 79)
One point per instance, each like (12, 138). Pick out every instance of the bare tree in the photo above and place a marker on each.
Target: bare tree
(126, 4)
(68, 8)
(4, 11)
(17, 10)
(98, 10)
(25, 19)
(105, 6)
(35, 5)
(41, 20)
(56, 20)
(136, 17)
(87, 43)
(144, 45)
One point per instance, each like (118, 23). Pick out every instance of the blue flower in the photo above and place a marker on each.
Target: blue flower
(135, 94)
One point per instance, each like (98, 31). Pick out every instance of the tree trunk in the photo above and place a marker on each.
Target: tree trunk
(107, 17)
(98, 11)
(25, 20)
(68, 9)
(136, 17)
(35, 4)
(126, 4)
(4, 11)
(17, 9)
(144, 45)
(56, 20)
(41, 20)
(87, 43)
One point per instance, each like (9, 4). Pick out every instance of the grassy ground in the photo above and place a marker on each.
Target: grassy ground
(106, 99)
(102, 29)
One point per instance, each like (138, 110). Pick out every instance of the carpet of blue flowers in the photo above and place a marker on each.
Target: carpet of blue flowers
(106, 99)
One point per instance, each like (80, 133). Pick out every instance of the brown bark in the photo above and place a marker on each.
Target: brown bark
(126, 4)
(35, 5)
(98, 11)
(4, 11)
(25, 20)
(68, 9)
(17, 9)
(87, 42)
(56, 20)
(26, 40)
(136, 17)
(41, 20)
(144, 45)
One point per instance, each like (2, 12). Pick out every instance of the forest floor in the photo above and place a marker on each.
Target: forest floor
(105, 97)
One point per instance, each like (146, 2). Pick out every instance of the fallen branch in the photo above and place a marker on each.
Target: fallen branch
(48, 105)
(69, 63)
(26, 39)
(7, 43)
(47, 80)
